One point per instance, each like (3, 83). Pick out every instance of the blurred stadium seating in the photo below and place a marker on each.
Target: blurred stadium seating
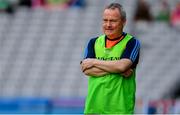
(40, 51)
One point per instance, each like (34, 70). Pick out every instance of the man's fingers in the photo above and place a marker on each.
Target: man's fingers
(127, 73)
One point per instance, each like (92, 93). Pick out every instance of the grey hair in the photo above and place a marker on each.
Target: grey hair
(119, 7)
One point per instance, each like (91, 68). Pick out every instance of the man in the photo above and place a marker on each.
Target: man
(110, 62)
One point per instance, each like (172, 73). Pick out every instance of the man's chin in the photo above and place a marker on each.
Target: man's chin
(108, 34)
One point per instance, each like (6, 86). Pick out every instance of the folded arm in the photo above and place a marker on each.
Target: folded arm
(117, 66)
(94, 71)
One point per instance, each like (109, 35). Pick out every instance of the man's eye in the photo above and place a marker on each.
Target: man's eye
(113, 20)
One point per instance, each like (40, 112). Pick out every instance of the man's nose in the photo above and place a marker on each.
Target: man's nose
(109, 24)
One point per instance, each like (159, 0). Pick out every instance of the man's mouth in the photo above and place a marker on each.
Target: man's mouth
(109, 29)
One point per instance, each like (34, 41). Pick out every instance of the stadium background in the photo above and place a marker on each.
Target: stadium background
(41, 47)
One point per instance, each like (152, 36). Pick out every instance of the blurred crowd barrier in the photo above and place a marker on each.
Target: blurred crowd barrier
(41, 105)
(163, 106)
(76, 106)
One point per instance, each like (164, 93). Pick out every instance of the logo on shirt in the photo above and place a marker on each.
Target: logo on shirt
(108, 58)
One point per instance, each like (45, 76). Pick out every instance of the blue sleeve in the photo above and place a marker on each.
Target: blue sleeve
(89, 51)
(132, 51)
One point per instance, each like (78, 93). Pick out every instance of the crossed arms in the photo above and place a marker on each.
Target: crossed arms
(95, 67)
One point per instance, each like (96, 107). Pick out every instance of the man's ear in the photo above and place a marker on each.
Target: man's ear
(124, 23)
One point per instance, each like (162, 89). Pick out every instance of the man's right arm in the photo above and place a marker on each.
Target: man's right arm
(94, 71)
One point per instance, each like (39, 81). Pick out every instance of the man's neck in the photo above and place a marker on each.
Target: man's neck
(115, 36)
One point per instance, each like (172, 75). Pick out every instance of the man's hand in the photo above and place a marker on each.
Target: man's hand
(127, 73)
(87, 64)
(88, 68)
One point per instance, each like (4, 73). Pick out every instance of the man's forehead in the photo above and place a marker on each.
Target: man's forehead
(114, 12)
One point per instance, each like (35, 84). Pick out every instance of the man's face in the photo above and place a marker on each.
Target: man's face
(112, 23)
